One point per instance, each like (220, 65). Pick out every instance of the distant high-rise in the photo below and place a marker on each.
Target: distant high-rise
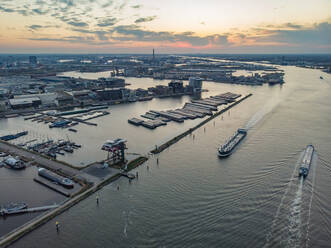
(153, 55)
(195, 83)
(33, 60)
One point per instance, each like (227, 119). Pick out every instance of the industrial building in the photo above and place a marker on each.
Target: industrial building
(176, 86)
(110, 94)
(24, 102)
(46, 99)
(112, 82)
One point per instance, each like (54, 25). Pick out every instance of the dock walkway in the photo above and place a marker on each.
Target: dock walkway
(48, 163)
(30, 210)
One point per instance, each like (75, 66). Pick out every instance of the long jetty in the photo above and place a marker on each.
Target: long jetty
(30, 210)
(182, 135)
(92, 184)
(11, 237)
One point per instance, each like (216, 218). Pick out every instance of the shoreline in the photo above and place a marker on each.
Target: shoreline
(92, 187)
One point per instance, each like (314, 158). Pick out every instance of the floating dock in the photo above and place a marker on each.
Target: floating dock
(205, 102)
(168, 115)
(80, 111)
(52, 186)
(148, 116)
(153, 123)
(191, 110)
(187, 115)
(197, 114)
(199, 110)
(201, 106)
(135, 121)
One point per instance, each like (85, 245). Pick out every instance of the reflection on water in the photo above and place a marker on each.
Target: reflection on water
(191, 198)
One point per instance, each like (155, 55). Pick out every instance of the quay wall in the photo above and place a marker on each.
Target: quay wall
(8, 239)
(11, 237)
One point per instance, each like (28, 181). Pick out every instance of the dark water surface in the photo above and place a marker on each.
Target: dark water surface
(194, 199)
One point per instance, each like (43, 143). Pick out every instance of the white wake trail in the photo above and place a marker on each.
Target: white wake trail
(289, 185)
(295, 218)
(314, 164)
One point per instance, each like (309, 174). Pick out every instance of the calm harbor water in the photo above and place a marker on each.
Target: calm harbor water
(191, 198)
(18, 186)
(116, 124)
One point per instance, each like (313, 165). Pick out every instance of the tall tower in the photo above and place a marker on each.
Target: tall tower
(153, 55)
(33, 60)
(195, 83)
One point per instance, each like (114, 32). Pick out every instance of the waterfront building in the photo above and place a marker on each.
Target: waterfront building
(80, 94)
(112, 82)
(24, 102)
(110, 94)
(195, 83)
(64, 98)
(46, 99)
(176, 86)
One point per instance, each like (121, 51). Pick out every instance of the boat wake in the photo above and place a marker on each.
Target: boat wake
(125, 216)
(127, 221)
(290, 226)
(314, 164)
(258, 116)
(294, 229)
(289, 186)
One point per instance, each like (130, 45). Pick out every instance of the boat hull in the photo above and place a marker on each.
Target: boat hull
(306, 161)
(227, 149)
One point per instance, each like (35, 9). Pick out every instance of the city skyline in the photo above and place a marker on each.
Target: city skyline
(66, 26)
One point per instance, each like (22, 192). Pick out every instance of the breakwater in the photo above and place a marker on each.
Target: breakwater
(91, 188)
(182, 135)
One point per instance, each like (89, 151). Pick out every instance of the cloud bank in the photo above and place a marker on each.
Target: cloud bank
(102, 23)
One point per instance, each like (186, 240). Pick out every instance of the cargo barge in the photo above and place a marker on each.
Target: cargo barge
(62, 123)
(65, 182)
(227, 149)
(306, 161)
(13, 136)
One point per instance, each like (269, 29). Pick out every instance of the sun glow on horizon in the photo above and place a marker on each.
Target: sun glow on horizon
(173, 26)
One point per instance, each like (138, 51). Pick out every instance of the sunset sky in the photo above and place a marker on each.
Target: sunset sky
(169, 26)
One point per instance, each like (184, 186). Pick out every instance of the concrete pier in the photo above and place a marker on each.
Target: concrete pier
(94, 184)
(182, 135)
(30, 210)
